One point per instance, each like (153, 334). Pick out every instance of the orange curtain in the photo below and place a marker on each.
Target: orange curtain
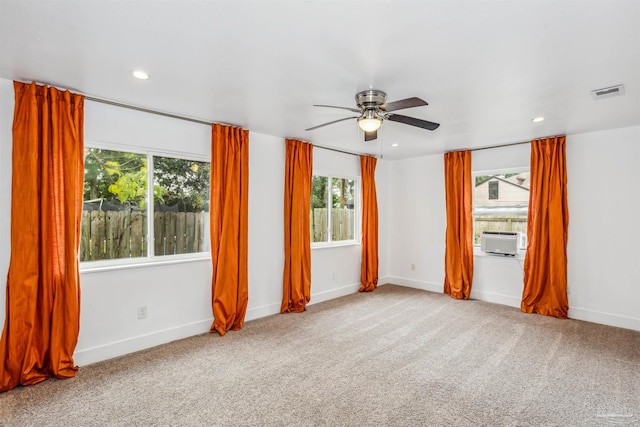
(296, 282)
(458, 258)
(545, 264)
(369, 263)
(43, 284)
(229, 226)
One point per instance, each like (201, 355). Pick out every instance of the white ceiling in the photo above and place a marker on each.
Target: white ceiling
(485, 67)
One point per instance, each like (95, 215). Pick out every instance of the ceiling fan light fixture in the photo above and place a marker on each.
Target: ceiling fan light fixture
(369, 122)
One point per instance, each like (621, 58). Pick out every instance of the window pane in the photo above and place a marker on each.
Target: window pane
(500, 210)
(493, 190)
(342, 212)
(181, 206)
(114, 220)
(319, 214)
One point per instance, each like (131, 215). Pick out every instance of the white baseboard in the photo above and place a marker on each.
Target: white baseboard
(439, 288)
(604, 318)
(576, 313)
(385, 280)
(417, 284)
(274, 308)
(509, 300)
(334, 293)
(262, 311)
(141, 342)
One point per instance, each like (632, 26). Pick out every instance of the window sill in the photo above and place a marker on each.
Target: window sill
(127, 263)
(334, 245)
(477, 253)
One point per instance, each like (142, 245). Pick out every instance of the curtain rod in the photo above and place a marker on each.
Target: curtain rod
(189, 119)
(204, 122)
(342, 151)
(148, 110)
(134, 107)
(499, 145)
(510, 144)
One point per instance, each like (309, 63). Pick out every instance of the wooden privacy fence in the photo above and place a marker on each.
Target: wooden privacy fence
(342, 224)
(122, 234)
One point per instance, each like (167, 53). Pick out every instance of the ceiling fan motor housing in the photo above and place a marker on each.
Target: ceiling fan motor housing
(371, 98)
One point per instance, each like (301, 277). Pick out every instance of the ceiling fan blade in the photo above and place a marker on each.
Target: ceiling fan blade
(355, 110)
(413, 121)
(403, 103)
(370, 136)
(330, 123)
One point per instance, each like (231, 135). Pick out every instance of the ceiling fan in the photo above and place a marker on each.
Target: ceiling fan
(373, 109)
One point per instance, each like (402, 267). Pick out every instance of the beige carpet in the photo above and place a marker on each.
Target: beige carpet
(397, 356)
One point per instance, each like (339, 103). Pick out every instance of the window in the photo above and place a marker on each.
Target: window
(332, 209)
(118, 205)
(493, 190)
(181, 206)
(504, 210)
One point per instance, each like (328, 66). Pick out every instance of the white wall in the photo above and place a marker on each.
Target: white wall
(178, 294)
(417, 221)
(266, 224)
(383, 192)
(604, 207)
(604, 201)
(6, 120)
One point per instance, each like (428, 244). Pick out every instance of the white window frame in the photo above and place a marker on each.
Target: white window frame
(489, 172)
(356, 212)
(151, 258)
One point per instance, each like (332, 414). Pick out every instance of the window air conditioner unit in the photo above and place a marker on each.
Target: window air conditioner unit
(499, 242)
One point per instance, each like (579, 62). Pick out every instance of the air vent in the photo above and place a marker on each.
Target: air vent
(608, 92)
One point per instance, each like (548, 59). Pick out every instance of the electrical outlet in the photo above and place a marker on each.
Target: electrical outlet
(413, 266)
(333, 276)
(142, 312)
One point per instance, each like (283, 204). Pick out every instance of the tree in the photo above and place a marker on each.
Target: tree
(342, 192)
(122, 177)
(185, 183)
(115, 175)
(319, 192)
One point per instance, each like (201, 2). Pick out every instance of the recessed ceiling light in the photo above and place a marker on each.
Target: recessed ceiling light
(139, 74)
(394, 144)
(538, 119)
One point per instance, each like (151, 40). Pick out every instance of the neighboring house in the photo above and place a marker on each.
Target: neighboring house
(497, 190)
(501, 204)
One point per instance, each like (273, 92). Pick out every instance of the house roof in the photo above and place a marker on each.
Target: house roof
(498, 178)
(486, 68)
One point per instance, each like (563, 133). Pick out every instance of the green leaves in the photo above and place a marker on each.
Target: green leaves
(122, 176)
(130, 187)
